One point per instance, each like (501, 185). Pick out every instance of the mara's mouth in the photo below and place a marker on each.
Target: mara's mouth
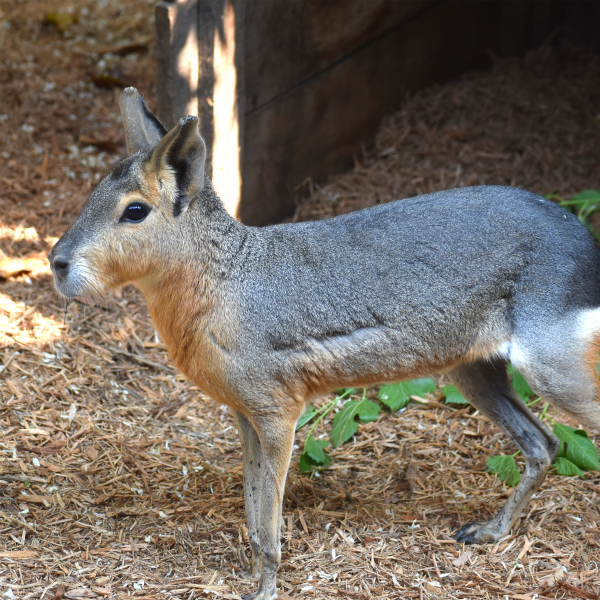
(79, 281)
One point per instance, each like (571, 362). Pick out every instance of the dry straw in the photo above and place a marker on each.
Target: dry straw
(118, 478)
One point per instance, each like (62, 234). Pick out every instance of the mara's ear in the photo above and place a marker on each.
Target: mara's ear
(142, 129)
(180, 156)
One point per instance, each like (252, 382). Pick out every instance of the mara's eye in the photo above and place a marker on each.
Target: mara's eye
(135, 213)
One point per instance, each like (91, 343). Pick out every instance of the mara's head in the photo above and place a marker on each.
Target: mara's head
(134, 214)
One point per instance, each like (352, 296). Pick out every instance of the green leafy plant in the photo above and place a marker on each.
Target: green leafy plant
(583, 205)
(453, 396)
(565, 467)
(506, 468)
(313, 455)
(344, 427)
(397, 395)
(576, 447)
(576, 454)
(345, 422)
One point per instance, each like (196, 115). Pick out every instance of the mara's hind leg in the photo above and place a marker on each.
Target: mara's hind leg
(486, 386)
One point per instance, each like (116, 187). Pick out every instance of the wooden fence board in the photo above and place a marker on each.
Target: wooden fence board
(283, 48)
(317, 127)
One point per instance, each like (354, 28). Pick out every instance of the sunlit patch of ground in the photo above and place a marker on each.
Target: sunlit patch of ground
(25, 325)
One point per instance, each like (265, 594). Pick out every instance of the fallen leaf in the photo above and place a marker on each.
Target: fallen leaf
(59, 593)
(462, 559)
(81, 593)
(92, 452)
(62, 21)
(553, 579)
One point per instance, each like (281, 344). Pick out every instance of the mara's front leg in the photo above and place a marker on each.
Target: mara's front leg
(252, 460)
(276, 436)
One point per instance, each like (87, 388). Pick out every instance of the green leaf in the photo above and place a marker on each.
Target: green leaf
(453, 396)
(306, 417)
(583, 200)
(565, 467)
(313, 456)
(397, 395)
(314, 448)
(344, 422)
(306, 463)
(587, 196)
(519, 384)
(584, 205)
(577, 447)
(506, 468)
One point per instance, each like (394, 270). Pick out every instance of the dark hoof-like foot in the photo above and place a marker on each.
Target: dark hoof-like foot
(477, 533)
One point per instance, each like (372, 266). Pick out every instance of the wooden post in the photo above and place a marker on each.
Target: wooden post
(228, 103)
(177, 60)
(200, 59)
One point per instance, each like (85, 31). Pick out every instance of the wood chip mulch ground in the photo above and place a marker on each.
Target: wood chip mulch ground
(118, 478)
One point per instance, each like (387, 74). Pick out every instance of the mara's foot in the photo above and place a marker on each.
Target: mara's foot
(478, 533)
(261, 595)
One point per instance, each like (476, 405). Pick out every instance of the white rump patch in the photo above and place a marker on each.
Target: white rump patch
(588, 326)
(503, 351)
(511, 351)
(517, 357)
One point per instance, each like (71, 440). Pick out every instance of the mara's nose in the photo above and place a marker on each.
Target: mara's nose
(60, 266)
